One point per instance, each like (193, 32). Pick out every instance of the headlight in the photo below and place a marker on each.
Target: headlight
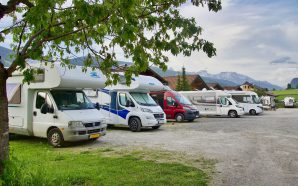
(146, 110)
(75, 124)
(186, 108)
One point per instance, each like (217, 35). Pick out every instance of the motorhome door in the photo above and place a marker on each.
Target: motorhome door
(43, 113)
(123, 107)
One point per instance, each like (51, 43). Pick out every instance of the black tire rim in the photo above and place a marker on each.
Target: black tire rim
(133, 124)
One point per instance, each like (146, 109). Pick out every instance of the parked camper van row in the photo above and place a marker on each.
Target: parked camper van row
(68, 105)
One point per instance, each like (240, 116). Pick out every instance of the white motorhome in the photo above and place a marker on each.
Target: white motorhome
(214, 102)
(249, 101)
(131, 105)
(54, 105)
(268, 102)
(289, 102)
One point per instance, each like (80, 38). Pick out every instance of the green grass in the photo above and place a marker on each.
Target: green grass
(34, 162)
(281, 94)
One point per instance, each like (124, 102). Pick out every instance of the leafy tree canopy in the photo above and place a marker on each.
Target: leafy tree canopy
(51, 30)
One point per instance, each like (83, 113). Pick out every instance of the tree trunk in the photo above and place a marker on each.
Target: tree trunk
(4, 134)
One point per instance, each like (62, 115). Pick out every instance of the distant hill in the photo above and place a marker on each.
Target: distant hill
(240, 79)
(294, 83)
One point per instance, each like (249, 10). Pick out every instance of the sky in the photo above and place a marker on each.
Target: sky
(258, 38)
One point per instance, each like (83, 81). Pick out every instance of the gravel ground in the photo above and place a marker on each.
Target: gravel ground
(251, 150)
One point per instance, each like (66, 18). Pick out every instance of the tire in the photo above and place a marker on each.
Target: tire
(179, 117)
(190, 120)
(55, 138)
(252, 112)
(233, 114)
(135, 124)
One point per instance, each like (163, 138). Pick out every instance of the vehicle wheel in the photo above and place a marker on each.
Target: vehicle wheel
(155, 127)
(233, 114)
(55, 138)
(135, 124)
(253, 112)
(179, 117)
(190, 120)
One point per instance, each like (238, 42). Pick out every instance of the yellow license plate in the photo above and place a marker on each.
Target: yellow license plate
(94, 136)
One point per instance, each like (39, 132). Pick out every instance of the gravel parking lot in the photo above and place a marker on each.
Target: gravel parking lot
(252, 150)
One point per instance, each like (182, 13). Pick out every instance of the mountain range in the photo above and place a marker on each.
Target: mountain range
(223, 78)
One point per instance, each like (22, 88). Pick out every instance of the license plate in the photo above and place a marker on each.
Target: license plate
(94, 136)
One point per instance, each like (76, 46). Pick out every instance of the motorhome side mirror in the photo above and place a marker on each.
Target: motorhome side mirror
(175, 104)
(51, 110)
(129, 103)
(96, 105)
(44, 108)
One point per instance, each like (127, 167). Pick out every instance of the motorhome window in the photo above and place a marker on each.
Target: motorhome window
(41, 98)
(183, 100)
(210, 99)
(13, 92)
(114, 100)
(170, 101)
(122, 99)
(255, 99)
(197, 99)
(71, 100)
(223, 101)
(91, 93)
(143, 99)
(238, 98)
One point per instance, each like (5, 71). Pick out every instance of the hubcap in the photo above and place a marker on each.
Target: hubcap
(55, 138)
(179, 118)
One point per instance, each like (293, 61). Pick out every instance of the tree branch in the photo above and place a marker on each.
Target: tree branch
(12, 5)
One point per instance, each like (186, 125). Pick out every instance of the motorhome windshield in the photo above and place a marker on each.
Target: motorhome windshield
(143, 99)
(255, 99)
(71, 100)
(183, 100)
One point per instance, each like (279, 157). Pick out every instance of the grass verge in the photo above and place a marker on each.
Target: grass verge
(33, 162)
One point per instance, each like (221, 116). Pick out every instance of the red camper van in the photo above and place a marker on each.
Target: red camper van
(175, 105)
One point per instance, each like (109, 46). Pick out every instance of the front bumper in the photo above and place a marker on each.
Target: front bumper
(81, 134)
(191, 115)
(240, 112)
(151, 120)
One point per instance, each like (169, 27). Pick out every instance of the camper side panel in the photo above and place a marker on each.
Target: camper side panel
(19, 107)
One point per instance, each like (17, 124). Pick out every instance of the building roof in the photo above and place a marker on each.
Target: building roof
(195, 81)
(232, 88)
(215, 86)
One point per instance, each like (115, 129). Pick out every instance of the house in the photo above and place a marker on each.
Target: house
(247, 86)
(195, 81)
(215, 86)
